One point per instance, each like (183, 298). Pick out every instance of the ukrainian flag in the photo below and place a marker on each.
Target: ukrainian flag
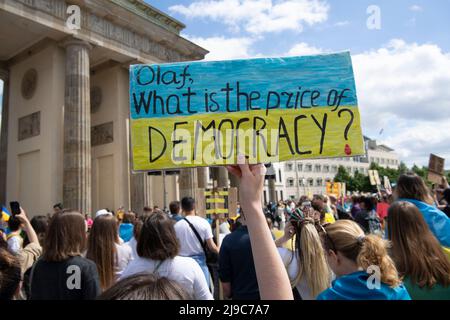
(5, 214)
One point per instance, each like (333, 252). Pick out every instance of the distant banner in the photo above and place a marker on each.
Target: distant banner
(272, 109)
(337, 189)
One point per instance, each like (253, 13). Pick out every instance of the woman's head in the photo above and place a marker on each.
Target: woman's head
(145, 286)
(129, 217)
(366, 203)
(157, 239)
(102, 247)
(420, 258)
(10, 275)
(411, 186)
(40, 226)
(66, 236)
(312, 263)
(348, 249)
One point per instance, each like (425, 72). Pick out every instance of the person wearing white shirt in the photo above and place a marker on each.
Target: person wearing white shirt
(104, 248)
(158, 253)
(306, 265)
(190, 245)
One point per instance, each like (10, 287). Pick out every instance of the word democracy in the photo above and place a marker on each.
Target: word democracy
(183, 138)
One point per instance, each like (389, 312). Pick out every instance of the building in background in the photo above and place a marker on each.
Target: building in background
(308, 177)
(381, 154)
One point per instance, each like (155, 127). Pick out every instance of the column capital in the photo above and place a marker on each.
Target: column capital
(4, 74)
(71, 41)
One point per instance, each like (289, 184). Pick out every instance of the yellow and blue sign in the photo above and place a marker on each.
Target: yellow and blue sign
(200, 113)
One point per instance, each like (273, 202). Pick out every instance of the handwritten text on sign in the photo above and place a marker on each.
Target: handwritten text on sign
(205, 113)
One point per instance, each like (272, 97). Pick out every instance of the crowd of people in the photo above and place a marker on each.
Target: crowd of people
(392, 246)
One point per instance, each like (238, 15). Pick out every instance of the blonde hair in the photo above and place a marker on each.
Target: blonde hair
(347, 237)
(312, 264)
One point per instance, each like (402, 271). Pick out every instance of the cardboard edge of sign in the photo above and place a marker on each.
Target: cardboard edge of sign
(224, 165)
(174, 64)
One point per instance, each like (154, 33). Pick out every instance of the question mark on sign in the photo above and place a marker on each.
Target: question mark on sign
(348, 150)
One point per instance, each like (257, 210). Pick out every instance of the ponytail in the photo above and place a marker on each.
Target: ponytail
(347, 237)
(312, 264)
(374, 253)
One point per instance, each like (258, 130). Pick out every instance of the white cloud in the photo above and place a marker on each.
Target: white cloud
(415, 8)
(303, 48)
(221, 48)
(407, 80)
(415, 140)
(258, 16)
(403, 88)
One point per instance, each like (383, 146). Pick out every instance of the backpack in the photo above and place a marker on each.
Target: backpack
(373, 222)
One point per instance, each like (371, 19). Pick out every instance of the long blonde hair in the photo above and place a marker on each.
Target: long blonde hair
(312, 264)
(347, 237)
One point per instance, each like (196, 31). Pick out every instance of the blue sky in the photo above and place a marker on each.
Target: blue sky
(345, 26)
(402, 70)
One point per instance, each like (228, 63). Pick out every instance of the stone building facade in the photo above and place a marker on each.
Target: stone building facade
(65, 113)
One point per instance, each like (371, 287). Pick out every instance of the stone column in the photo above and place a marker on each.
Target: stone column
(272, 190)
(139, 191)
(222, 177)
(4, 75)
(202, 177)
(220, 174)
(77, 128)
(234, 181)
(188, 182)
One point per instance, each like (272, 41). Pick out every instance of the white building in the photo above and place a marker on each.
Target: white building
(308, 177)
(382, 155)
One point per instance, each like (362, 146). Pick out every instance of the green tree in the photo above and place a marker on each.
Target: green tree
(342, 175)
(360, 182)
(391, 173)
(422, 172)
(402, 168)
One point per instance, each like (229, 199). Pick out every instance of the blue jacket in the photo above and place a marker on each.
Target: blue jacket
(353, 286)
(126, 231)
(437, 221)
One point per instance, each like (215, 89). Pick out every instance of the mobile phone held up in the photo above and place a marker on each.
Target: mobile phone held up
(15, 207)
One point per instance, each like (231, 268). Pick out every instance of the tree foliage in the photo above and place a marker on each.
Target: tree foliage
(361, 182)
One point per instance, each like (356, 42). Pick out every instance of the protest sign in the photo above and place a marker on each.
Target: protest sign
(374, 178)
(217, 202)
(337, 189)
(435, 169)
(373, 182)
(192, 114)
(436, 164)
(387, 184)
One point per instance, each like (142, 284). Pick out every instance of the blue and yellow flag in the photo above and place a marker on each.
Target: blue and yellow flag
(5, 214)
